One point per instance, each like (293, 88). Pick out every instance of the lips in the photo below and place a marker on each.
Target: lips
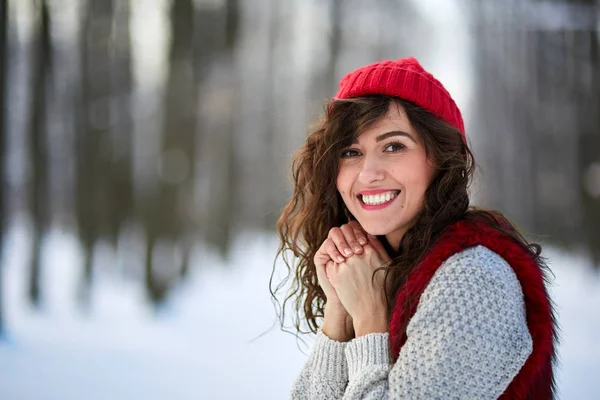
(377, 199)
(376, 191)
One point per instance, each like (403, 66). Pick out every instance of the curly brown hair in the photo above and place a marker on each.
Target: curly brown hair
(316, 206)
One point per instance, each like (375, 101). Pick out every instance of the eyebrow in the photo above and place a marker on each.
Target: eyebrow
(387, 135)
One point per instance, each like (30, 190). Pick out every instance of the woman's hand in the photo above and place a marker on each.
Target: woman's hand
(348, 239)
(337, 323)
(362, 297)
(342, 242)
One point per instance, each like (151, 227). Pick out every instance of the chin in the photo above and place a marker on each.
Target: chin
(375, 230)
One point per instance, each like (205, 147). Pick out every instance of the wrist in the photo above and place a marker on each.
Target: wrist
(371, 323)
(338, 325)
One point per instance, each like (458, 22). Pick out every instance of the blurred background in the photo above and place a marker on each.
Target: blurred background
(145, 151)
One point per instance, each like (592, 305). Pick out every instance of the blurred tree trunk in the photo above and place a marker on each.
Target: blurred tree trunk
(324, 82)
(121, 203)
(38, 147)
(177, 158)
(589, 144)
(93, 146)
(538, 92)
(3, 145)
(335, 45)
(219, 103)
(271, 110)
(232, 23)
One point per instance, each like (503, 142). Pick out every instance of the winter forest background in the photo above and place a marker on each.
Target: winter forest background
(145, 149)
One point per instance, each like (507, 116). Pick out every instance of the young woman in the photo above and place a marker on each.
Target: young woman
(421, 296)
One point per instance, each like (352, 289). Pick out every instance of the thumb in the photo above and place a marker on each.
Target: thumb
(328, 268)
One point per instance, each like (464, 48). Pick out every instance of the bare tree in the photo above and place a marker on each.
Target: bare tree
(166, 219)
(93, 141)
(589, 139)
(41, 63)
(121, 179)
(539, 115)
(220, 82)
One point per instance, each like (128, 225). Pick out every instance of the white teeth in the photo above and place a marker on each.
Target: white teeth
(377, 199)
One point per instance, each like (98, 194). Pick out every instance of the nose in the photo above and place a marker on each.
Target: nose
(371, 171)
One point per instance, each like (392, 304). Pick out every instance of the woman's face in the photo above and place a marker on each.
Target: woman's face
(383, 176)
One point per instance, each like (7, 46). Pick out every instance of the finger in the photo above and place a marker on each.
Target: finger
(321, 256)
(348, 232)
(328, 267)
(359, 232)
(322, 274)
(331, 249)
(337, 236)
(376, 243)
(378, 247)
(324, 282)
(329, 270)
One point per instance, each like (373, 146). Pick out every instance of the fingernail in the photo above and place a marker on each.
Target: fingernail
(362, 240)
(347, 251)
(340, 259)
(357, 248)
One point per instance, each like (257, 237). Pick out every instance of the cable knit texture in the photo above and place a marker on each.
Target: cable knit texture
(467, 340)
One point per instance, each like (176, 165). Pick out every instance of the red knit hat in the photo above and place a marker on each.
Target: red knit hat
(404, 78)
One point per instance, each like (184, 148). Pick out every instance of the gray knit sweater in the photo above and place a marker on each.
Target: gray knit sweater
(467, 340)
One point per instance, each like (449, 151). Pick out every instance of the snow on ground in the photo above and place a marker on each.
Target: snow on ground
(576, 292)
(199, 347)
(204, 344)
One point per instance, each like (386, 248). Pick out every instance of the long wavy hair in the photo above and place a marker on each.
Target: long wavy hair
(316, 206)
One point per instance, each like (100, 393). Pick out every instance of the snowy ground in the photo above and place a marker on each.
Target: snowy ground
(201, 346)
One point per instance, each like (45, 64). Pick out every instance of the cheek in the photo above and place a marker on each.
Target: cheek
(421, 176)
(431, 171)
(339, 185)
(343, 182)
(426, 179)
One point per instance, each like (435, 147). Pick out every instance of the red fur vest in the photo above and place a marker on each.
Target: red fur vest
(535, 380)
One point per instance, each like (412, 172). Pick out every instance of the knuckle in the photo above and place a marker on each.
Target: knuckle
(334, 231)
(322, 250)
(341, 240)
(335, 240)
(333, 251)
(355, 225)
(330, 246)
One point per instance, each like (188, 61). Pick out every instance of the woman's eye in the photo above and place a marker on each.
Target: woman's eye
(394, 147)
(349, 153)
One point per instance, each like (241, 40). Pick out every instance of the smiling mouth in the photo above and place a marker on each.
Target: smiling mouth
(378, 199)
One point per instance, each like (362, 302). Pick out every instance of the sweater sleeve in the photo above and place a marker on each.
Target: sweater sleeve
(467, 339)
(325, 374)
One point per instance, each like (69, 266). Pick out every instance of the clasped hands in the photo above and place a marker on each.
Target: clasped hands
(345, 264)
